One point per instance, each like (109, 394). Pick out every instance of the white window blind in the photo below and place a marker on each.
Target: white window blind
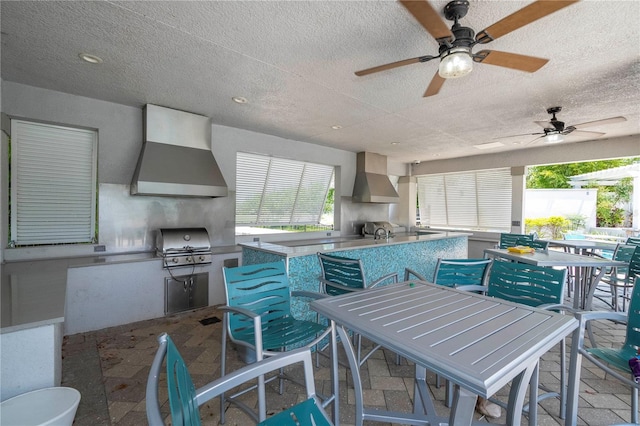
(277, 191)
(53, 184)
(470, 200)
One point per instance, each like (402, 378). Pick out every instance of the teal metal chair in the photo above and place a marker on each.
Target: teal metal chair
(455, 272)
(616, 278)
(185, 400)
(615, 361)
(536, 286)
(258, 319)
(340, 275)
(512, 240)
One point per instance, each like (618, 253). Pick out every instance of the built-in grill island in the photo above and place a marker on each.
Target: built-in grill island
(182, 250)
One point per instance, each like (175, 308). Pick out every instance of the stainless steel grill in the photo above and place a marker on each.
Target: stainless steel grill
(183, 247)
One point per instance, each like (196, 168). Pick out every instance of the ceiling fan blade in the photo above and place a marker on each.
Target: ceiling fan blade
(603, 122)
(520, 18)
(388, 66)
(434, 86)
(429, 18)
(534, 141)
(510, 60)
(521, 134)
(585, 134)
(545, 124)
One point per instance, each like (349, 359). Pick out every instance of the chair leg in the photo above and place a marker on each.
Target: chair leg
(563, 379)
(223, 359)
(634, 405)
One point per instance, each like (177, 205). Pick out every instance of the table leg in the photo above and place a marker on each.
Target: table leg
(573, 385)
(334, 375)
(519, 387)
(355, 374)
(464, 405)
(422, 402)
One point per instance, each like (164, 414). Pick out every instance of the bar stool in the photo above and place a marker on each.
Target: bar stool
(42, 407)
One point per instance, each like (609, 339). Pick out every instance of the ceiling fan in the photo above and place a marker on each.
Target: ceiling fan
(455, 45)
(555, 130)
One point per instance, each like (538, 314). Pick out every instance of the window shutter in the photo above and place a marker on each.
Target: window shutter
(470, 200)
(277, 191)
(53, 184)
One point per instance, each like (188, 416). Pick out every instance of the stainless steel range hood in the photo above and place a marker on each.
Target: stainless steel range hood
(372, 184)
(176, 158)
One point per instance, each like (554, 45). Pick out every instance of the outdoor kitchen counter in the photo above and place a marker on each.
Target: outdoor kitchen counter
(290, 249)
(379, 257)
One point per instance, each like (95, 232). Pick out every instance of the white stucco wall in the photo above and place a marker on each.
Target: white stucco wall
(30, 358)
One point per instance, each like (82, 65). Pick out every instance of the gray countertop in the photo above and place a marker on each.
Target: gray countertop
(308, 247)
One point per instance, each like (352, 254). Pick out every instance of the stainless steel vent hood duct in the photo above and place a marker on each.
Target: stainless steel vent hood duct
(372, 184)
(176, 158)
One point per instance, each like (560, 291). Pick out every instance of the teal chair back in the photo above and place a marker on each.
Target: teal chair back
(459, 272)
(634, 265)
(623, 253)
(634, 241)
(632, 340)
(264, 290)
(182, 392)
(512, 240)
(343, 271)
(539, 245)
(527, 284)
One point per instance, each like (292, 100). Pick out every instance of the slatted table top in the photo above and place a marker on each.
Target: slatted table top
(583, 244)
(554, 258)
(478, 342)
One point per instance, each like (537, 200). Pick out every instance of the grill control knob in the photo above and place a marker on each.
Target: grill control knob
(189, 259)
(175, 260)
(201, 258)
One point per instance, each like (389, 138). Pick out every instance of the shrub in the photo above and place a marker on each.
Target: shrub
(547, 227)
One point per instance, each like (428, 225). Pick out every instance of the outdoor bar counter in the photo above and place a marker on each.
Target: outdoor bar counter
(379, 257)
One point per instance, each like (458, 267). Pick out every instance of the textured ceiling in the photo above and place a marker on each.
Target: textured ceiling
(294, 61)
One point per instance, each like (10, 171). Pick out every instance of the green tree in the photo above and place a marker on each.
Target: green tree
(557, 175)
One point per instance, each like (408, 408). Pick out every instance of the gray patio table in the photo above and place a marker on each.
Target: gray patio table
(583, 265)
(582, 246)
(477, 342)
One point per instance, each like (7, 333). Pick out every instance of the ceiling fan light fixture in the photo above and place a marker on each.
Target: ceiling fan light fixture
(456, 63)
(553, 138)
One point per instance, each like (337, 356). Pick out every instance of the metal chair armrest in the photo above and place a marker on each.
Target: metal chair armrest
(558, 307)
(409, 271)
(480, 288)
(326, 283)
(392, 276)
(251, 371)
(308, 294)
(584, 316)
(238, 310)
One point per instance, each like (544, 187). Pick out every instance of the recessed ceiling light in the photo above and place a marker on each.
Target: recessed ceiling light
(92, 59)
(395, 143)
(239, 100)
(336, 127)
(489, 145)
